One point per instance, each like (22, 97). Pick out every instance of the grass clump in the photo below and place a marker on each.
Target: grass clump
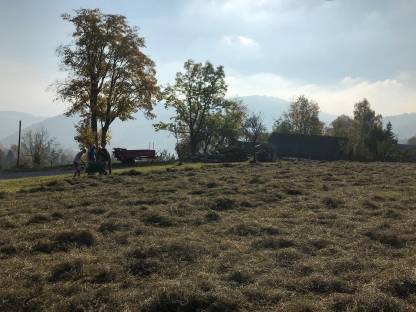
(156, 219)
(187, 301)
(224, 204)
(332, 203)
(8, 250)
(322, 284)
(68, 270)
(38, 219)
(401, 286)
(212, 216)
(110, 227)
(77, 238)
(274, 243)
(386, 237)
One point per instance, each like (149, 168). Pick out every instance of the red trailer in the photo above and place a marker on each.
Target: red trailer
(127, 156)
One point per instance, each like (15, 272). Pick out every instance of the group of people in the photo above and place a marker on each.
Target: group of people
(99, 160)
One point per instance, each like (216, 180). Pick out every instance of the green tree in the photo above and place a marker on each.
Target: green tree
(412, 140)
(282, 126)
(254, 132)
(198, 94)
(223, 127)
(367, 131)
(301, 118)
(109, 76)
(85, 136)
(342, 126)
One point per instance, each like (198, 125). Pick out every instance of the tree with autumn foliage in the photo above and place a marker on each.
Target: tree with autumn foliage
(109, 76)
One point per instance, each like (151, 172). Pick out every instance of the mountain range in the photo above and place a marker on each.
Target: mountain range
(139, 133)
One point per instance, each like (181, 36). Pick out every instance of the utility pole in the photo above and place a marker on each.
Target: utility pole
(18, 144)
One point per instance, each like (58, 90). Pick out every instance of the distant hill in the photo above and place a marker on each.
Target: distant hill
(139, 133)
(9, 121)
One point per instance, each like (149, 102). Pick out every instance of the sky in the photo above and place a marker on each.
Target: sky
(335, 52)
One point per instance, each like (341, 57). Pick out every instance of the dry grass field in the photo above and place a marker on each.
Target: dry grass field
(284, 236)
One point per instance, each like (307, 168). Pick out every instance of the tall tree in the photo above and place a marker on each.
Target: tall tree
(253, 131)
(342, 126)
(109, 76)
(198, 93)
(367, 131)
(301, 118)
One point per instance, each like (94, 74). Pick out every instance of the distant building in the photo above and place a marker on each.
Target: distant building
(308, 146)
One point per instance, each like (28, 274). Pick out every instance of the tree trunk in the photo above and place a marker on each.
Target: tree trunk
(104, 131)
(93, 108)
(193, 145)
(94, 127)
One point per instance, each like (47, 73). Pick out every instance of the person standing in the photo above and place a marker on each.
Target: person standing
(92, 155)
(77, 162)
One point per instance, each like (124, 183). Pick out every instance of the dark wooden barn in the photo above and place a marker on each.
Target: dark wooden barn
(307, 146)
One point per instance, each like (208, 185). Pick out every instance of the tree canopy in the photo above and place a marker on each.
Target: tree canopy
(301, 118)
(342, 126)
(202, 114)
(109, 76)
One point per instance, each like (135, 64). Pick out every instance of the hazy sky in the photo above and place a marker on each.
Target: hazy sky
(335, 52)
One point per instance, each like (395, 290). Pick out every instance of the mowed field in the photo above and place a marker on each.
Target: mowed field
(284, 236)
